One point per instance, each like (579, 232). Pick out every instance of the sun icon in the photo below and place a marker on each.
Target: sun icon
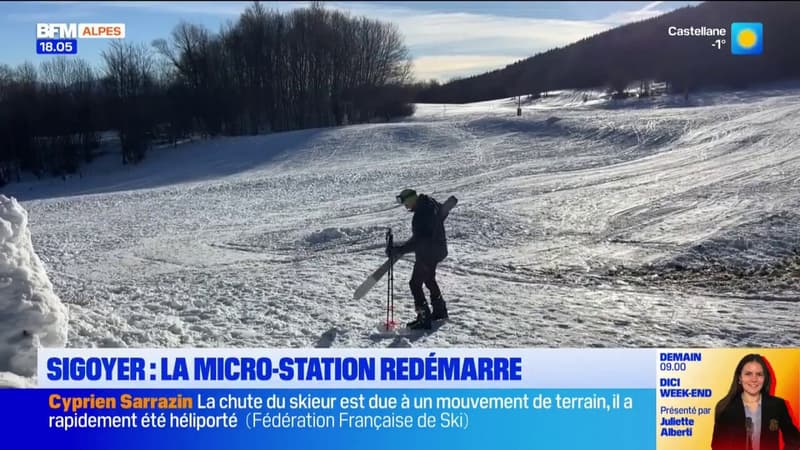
(747, 38)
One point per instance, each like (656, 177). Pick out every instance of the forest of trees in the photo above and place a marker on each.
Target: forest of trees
(266, 72)
(644, 51)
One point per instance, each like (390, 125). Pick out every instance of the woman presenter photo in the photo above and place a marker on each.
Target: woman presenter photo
(749, 417)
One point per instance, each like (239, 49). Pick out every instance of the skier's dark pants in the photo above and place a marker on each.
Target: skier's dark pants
(424, 273)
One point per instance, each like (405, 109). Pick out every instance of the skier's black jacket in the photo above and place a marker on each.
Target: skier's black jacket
(428, 240)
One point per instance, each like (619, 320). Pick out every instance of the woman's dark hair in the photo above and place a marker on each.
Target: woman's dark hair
(736, 388)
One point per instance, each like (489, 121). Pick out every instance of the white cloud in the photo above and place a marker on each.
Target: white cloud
(466, 40)
(423, 28)
(621, 18)
(444, 68)
(463, 44)
(454, 28)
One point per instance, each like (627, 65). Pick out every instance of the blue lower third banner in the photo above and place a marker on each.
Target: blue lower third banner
(603, 399)
(332, 418)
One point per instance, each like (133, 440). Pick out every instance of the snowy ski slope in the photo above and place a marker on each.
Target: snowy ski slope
(596, 224)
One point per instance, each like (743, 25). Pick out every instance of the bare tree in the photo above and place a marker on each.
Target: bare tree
(129, 82)
(82, 81)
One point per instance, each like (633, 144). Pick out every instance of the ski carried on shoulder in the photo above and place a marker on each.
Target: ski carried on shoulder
(373, 279)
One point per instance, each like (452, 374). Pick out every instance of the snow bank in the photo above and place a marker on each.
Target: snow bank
(31, 314)
(11, 380)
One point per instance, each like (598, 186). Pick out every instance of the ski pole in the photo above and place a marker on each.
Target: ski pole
(391, 288)
(390, 281)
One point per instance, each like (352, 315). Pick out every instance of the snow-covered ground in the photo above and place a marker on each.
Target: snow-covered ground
(580, 224)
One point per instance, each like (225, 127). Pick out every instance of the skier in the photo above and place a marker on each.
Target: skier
(429, 244)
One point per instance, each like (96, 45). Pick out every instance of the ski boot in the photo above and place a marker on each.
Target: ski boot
(423, 320)
(439, 309)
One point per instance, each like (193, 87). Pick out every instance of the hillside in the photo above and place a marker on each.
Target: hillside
(645, 51)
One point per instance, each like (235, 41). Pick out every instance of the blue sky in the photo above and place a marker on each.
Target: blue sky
(446, 39)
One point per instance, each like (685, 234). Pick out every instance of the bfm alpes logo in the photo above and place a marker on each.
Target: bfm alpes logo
(80, 30)
(62, 38)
